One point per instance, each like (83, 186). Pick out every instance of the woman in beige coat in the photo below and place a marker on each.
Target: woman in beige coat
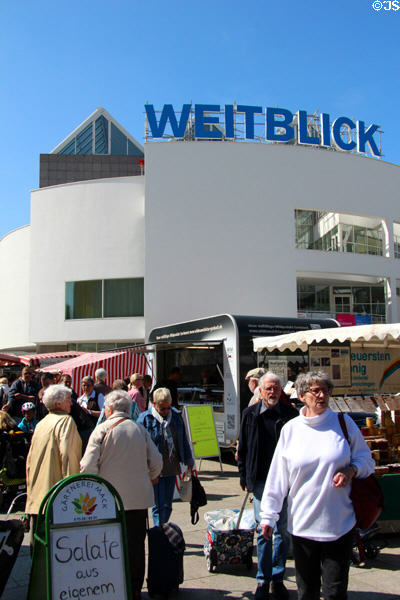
(56, 447)
(123, 453)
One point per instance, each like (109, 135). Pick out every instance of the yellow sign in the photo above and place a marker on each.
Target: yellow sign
(202, 431)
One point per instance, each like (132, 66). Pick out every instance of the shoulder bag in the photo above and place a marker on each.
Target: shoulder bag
(366, 494)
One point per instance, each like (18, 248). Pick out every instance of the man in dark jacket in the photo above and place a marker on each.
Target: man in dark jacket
(259, 434)
(22, 390)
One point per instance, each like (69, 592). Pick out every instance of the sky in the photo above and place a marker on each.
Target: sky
(61, 60)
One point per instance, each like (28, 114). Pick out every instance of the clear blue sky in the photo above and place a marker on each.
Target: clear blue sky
(60, 60)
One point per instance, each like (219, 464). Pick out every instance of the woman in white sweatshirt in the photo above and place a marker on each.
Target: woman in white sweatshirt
(313, 465)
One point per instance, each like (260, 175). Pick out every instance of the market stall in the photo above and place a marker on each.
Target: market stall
(364, 363)
(364, 359)
(118, 364)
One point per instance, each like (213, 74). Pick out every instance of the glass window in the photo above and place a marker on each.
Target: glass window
(86, 347)
(83, 299)
(108, 298)
(124, 297)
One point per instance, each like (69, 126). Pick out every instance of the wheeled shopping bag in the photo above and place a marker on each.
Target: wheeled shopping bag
(234, 546)
(165, 560)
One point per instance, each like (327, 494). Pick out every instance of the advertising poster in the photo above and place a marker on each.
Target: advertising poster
(279, 367)
(334, 360)
(375, 370)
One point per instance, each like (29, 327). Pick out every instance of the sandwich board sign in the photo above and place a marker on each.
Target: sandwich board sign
(80, 543)
(202, 431)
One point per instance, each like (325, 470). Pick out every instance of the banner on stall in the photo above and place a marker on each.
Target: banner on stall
(334, 360)
(375, 370)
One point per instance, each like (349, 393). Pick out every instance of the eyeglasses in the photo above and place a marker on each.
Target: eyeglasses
(318, 391)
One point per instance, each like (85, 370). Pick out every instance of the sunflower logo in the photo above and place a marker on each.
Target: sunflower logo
(84, 504)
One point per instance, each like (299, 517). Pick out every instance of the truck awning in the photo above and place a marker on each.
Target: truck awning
(376, 335)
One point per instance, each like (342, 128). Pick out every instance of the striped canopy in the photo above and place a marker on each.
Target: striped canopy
(119, 364)
(35, 360)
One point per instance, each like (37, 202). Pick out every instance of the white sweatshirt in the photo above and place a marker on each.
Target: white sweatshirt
(310, 451)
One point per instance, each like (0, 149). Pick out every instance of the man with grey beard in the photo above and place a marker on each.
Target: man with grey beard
(259, 434)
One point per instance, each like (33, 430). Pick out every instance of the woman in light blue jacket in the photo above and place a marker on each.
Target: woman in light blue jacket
(167, 430)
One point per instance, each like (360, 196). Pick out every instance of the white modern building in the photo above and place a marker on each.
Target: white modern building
(124, 238)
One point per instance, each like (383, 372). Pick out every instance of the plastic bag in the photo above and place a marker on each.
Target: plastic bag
(185, 489)
(225, 519)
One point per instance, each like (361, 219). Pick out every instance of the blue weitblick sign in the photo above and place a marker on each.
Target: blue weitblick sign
(279, 124)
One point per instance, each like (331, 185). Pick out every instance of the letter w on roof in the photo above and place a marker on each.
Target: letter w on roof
(167, 114)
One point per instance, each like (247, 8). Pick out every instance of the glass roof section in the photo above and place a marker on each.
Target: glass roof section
(100, 134)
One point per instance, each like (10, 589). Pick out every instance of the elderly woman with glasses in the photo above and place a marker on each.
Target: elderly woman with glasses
(313, 466)
(167, 430)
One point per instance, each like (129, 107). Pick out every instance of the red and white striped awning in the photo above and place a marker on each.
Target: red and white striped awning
(118, 364)
(9, 359)
(35, 360)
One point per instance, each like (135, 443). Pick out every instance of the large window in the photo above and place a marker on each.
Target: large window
(357, 300)
(99, 298)
(338, 232)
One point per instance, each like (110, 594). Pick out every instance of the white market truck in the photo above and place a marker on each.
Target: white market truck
(214, 355)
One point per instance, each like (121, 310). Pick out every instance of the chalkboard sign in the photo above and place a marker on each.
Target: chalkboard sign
(87, 562)
(80, 545)
(202, 432)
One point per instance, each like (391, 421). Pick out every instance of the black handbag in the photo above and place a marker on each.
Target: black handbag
(199, 498)
(366, 494)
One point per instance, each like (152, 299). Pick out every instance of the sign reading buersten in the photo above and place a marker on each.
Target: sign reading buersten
(281, 125)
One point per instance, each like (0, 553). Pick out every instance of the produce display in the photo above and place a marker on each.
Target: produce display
(383, 439)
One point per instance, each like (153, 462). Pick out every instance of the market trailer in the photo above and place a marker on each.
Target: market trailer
(214, 355)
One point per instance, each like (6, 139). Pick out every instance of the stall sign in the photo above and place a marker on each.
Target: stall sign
(202, 432)
(279, 367)
(88, 562)
(334, 360)
(375, 370)
(83, 500)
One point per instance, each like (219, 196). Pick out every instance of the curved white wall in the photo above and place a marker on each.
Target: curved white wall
(80, 231)
(14, 296)
(221, 220)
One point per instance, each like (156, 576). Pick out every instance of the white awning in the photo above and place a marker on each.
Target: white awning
(381, 335)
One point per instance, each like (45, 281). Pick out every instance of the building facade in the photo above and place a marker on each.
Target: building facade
(209, 227)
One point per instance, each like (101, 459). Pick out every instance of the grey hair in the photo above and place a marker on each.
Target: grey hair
(269, 375)
(305, 380)
(119, 401)
(101, 374)
(162, 395)
(55, 393)
(87, 379)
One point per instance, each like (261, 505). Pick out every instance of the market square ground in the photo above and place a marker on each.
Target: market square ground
(379, 581)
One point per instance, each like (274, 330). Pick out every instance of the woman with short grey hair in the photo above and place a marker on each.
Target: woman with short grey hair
(56, 447)
(56, 395)
(167, 430)
(123, 453)
(313, 466)
(305, 380)
(119, 401)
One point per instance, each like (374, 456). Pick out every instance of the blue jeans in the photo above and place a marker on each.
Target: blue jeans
(163, 495)
(271, 554)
